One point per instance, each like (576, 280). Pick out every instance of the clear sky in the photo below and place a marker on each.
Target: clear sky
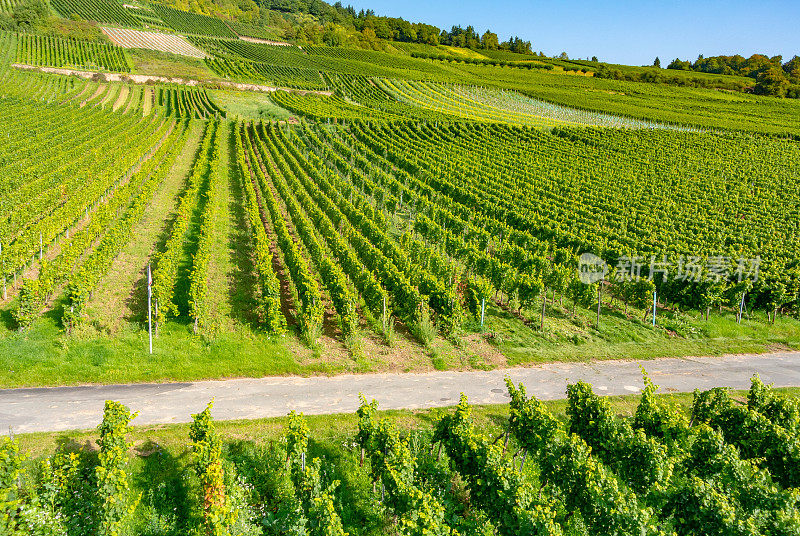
(627, 32)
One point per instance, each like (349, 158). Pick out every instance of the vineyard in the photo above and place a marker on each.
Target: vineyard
(192, 23)
(639, 104)
(285, 66)
(7, 6)
(366, 92)
(108, 11)
(279, 75)
(717, 465)
(188, 198)
(146, 16)
(256, 52)
(370, 60)
(490, 83)
(182, 101)
(173, 44)
(33, 215)
(378, 206)
(408, 210)
(197, 198)
(498, 106)
(55, 52)
(367, 230)
(327, 108)
(326, 59)
(438, 241)
(126, 99)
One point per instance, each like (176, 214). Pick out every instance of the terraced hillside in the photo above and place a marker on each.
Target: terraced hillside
(413, 214)
(246, 190)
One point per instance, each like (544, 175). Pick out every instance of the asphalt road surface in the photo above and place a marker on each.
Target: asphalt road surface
(68, 408)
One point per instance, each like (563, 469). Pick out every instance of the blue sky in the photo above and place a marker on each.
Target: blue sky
(621, 32)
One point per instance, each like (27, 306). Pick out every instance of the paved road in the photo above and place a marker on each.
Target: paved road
(67, 408)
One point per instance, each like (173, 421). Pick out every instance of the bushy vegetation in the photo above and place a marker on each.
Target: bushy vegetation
(655, 75)
(772, 76)
(24, 15)
(34, 16)
(530, 467)
(192, 23)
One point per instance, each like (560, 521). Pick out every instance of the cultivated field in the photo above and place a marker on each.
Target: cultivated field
(400, 207)
(392, 230)
(174, 44)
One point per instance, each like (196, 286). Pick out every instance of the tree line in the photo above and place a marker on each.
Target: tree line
(773, 77)
(398, 29)
(660, 76)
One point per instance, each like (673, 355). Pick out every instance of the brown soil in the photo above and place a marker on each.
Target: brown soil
(288, 308)
(330, 330)
(123, 97)
(100, 89)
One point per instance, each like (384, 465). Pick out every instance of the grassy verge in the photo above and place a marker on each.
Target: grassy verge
(332, 429)
(575, 337)
(45, 356)
(155, 63)
(248, 105)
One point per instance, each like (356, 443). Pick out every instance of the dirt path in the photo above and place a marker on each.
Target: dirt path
(111, 96)
(123, 97)
(100, 89)
(133, 99)
(145, 79)
(120, 295)
(147, 101)
(66, 408)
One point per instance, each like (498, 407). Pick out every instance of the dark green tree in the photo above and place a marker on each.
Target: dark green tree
(792, 69)
(772, 82)
(680, 65)
(489, 40)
